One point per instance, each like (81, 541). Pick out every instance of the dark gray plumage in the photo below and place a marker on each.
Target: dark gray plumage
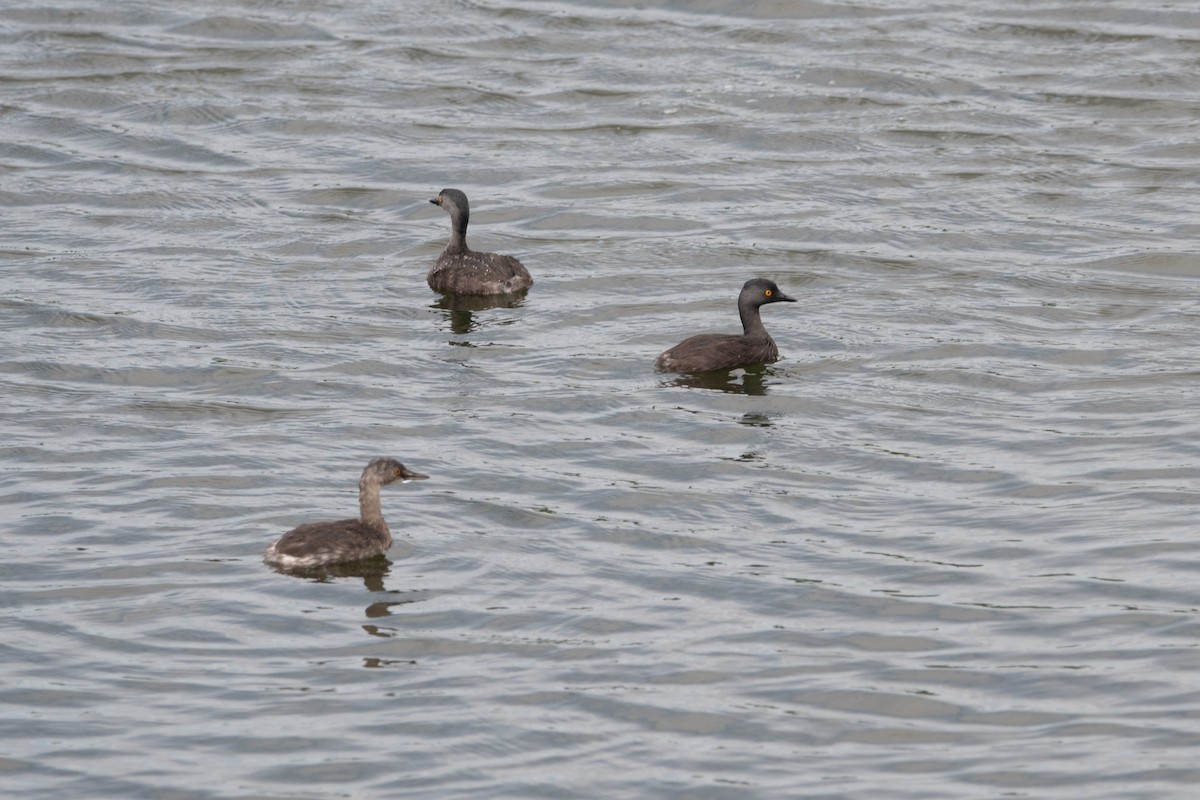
(321, 543)
(714, 351)
(461, 270)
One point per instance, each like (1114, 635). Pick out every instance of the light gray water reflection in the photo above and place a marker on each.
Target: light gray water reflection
(944, 548)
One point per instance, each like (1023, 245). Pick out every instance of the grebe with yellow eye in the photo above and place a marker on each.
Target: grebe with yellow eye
(712, 351)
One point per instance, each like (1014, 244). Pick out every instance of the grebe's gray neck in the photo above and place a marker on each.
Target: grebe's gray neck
(370, 510)
(458, 232)
(752, 324)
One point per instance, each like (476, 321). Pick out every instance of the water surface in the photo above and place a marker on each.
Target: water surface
(944, 548)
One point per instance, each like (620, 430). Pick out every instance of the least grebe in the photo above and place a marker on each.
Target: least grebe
(461, 270)
(713, 351)
(320, 543)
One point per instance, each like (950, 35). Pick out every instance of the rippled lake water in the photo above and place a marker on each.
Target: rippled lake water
(945, 548)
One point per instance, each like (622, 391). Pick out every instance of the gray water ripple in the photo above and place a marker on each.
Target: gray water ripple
(943, 547)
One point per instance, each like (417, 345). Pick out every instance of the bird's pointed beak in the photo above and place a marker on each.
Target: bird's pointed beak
(409, 475)
(437, 201)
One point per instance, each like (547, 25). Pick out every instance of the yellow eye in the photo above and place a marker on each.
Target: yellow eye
(399, 473)
(767, 292)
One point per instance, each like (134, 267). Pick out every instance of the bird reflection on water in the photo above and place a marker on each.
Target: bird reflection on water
(460, 309)
(743, 380)
(373, 572)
